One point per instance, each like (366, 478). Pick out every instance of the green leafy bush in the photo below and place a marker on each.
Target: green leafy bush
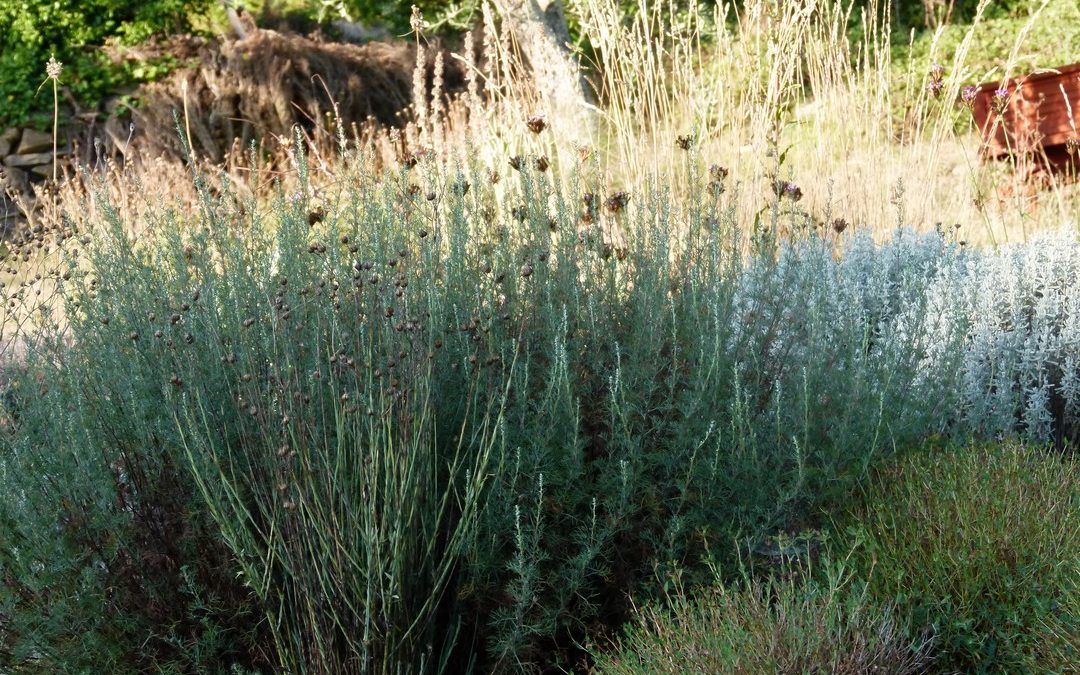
(983, 546)
(73, 30)
(771, 626)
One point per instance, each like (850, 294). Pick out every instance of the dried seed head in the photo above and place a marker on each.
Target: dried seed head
(517, 161)
(541, 163)
(53, 68)
(684, 142)
(839, 225)
(785, 189)
(526, 270)
(617, 201)
(537, 123)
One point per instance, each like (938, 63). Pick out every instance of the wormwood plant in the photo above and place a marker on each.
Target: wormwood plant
(419, 421)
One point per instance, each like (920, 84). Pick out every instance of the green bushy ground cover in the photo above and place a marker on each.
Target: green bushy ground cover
(959, 559)
(768, 626)
(983, 545)
(434, 420)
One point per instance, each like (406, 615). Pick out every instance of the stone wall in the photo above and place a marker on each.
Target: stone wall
(26, 158)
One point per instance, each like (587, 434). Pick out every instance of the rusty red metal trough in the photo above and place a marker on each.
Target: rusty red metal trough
(1039, 121)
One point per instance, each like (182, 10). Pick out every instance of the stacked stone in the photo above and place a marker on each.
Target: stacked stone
(26, 157)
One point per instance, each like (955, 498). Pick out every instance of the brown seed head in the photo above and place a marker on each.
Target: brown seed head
(537, 123)
(617, 201)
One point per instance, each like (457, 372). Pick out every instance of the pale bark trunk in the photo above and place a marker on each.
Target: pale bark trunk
(543, 38)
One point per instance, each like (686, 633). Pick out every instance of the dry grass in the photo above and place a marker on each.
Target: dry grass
(775, 90)
(784, 80)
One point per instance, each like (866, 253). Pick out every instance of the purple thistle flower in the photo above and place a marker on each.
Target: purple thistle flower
(1001, 101)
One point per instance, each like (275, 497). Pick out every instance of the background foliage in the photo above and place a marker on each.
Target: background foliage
(31, 30)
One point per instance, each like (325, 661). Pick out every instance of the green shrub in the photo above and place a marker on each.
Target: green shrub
(73, 30)
(770, 626)
(928, 14)
(631, 412)
(558, 410)
(983, 545)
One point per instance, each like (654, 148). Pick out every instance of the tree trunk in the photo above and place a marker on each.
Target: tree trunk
(540, 30)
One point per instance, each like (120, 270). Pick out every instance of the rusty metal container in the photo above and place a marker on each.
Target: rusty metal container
(1039, 120)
